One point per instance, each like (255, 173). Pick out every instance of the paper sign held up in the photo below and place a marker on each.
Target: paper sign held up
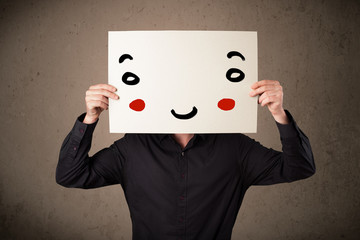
(183, 81)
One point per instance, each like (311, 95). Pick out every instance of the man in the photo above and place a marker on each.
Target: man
(184, 186)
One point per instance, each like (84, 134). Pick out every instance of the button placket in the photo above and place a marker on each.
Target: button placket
(182, 194)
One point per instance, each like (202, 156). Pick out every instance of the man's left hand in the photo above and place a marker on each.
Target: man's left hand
(271, 95)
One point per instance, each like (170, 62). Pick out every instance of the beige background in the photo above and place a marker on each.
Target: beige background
(51, 51)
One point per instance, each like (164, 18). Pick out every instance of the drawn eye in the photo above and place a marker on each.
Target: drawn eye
(130, 78)
(235, 74)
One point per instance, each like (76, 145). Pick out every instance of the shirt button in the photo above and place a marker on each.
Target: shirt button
(182, 197)
(75, 148)
(182, 153)
(81, 130)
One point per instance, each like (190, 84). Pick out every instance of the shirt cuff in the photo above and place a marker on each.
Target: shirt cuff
(80, 128)
(289, 130)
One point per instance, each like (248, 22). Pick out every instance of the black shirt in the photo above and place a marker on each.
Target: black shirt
(190, 193)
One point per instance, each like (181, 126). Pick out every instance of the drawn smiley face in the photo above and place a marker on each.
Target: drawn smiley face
(225, 104)
(182, 81)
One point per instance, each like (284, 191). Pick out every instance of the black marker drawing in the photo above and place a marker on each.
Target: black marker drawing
(129, 78)
(231, 71)
(185, 116)
(124, 57)
(235, 53)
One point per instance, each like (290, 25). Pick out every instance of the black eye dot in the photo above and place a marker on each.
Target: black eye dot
(235, 75)
(130, 78)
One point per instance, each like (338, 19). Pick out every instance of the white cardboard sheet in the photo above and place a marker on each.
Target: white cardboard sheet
(175, 81)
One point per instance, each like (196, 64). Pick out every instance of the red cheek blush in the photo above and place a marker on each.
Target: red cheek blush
(226, 104)
(137, 105)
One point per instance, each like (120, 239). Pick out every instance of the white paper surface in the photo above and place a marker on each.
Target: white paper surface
(182, 74)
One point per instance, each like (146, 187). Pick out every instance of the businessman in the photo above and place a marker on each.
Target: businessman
(184, 186)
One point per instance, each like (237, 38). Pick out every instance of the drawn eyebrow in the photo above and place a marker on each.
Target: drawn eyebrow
(235, 53)
(124, 57)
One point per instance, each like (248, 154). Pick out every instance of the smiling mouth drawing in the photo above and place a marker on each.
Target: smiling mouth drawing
(185, 116)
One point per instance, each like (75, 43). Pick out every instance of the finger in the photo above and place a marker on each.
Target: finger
(97, 97)
(103, 92)
(264, 82)
(268, 94)
(104, 86)
(272, 105)
(262, 89)
(96, 103)
(273, 99)
(267, 100)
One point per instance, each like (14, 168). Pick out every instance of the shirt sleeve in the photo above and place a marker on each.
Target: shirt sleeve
(77, 169)
(264, 166)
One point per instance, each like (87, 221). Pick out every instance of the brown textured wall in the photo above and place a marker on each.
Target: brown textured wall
(51, 51)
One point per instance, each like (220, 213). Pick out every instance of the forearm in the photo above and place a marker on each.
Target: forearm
(72, 169)
(76, 169)
(297, 156)
(265, 166)
(296, 159)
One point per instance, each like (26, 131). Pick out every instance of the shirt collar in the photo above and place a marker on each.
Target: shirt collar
(163, 136)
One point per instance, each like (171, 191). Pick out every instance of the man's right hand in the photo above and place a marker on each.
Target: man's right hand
(97, 100)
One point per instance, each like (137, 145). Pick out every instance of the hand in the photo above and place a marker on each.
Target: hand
(97, 100)
(271, 95)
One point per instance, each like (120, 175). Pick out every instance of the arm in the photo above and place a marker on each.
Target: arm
(263, 166)
(75, 168)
